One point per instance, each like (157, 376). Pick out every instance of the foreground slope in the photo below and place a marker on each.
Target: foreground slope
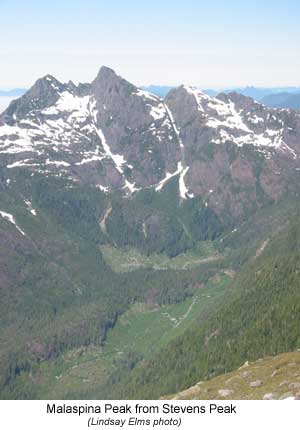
(269, 378)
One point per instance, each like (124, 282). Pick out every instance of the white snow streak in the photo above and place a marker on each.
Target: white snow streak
(174, 125)
(11, 219)
(167, 177)
(118, 160)
(183, 190)
(146, 94)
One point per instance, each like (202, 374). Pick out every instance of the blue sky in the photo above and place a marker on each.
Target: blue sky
(205, 43)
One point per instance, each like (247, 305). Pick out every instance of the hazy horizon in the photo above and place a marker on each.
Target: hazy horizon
(159, 84)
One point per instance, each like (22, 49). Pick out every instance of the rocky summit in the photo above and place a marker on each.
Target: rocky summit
(229, 150)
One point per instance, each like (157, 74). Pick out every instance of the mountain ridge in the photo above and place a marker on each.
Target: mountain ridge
(282, 100)
(115, 136)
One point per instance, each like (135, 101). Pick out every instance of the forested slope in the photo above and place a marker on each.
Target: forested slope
(57, 292)
(262, 318)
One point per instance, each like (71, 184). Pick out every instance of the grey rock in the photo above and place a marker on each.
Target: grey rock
(270, 396)
(283, 383)
(257, 383)
(294, 386)
(225, 392)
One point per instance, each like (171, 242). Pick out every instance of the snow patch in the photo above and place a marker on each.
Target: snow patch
(168, 176)
(11, 219)
(146, 94)
(198, 95)
(68, 102)
(255, 119)
(158, 112)
(103, 188)
(57, 163)
(18, 163)
(228, 116)
(174, 125)
(118, 160)
(183, 190)
(131, 186)
(90, 159)
(30, 208)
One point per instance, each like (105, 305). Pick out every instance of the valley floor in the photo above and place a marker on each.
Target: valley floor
(139, 333)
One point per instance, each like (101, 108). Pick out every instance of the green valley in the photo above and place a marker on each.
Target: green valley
(146, 244)
(139, 333)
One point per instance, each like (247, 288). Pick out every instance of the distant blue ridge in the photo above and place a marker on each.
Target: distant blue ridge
(16, 92)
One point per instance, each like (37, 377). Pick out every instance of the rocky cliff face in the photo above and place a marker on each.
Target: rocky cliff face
(229, 150)
(237, 150)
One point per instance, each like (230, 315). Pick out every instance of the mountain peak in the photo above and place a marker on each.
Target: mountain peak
(49, 78)
(44, 93)
(48, 81)
(105, 72)
(106, 76)
(107, 83)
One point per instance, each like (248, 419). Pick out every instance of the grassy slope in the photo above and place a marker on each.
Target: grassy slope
(269, 379)
(130, 259)
(147, 328)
